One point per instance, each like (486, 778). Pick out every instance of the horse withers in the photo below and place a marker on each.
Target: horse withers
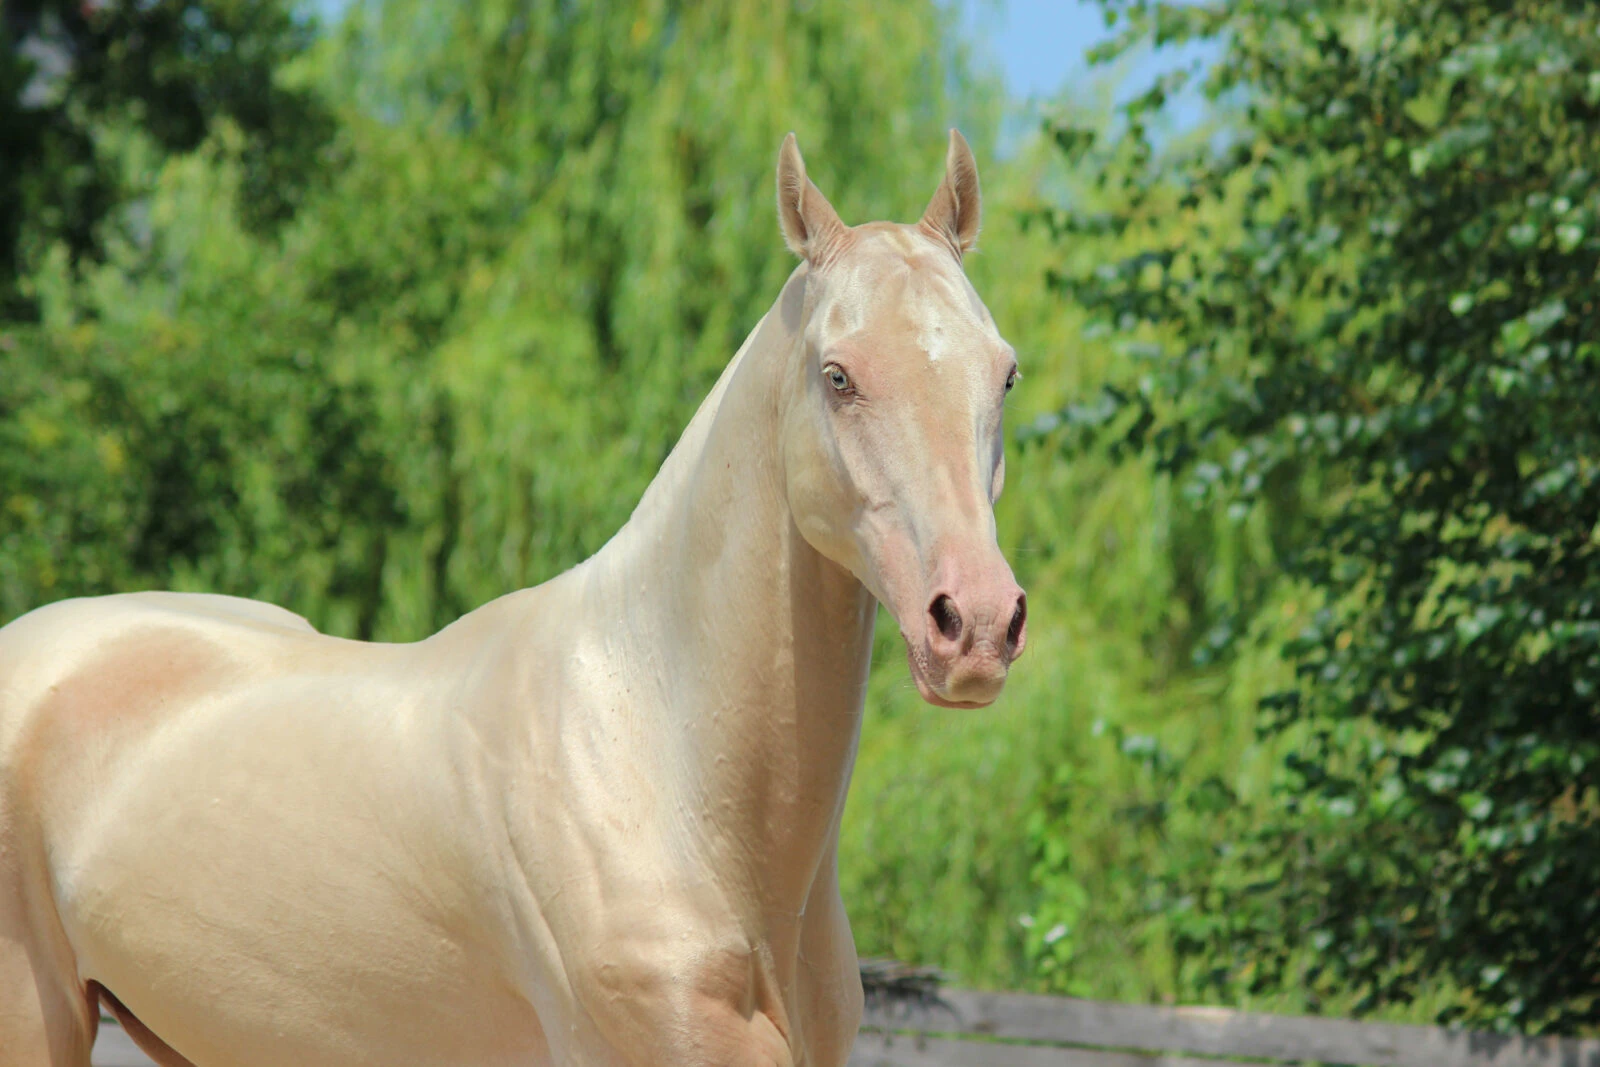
(590, 823)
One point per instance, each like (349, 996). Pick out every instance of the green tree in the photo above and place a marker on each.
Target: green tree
(1379, 321)
(75, 75)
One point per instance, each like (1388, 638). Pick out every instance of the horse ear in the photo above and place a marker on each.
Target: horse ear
(811, 228)
(955, 212)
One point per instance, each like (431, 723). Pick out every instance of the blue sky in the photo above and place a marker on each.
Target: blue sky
(1039, 47)
(1039, 44)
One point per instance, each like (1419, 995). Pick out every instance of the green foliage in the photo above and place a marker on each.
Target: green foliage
(1367, 312)
(76, 79)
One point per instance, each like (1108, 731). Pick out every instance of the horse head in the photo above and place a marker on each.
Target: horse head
(892, 438)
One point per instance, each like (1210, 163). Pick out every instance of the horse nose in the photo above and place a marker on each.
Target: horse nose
(948, 627)
(957, 631)
(1017, 632)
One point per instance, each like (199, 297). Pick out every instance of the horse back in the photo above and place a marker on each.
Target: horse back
(80, 675)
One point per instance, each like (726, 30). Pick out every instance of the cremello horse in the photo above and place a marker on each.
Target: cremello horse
(590, 823)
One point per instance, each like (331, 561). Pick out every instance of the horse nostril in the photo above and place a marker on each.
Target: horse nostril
(1014, 631)
(946, 617)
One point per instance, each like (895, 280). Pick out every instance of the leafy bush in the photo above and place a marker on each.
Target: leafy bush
(1374, 317)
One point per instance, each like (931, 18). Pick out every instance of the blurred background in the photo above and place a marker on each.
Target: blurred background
(378, 310)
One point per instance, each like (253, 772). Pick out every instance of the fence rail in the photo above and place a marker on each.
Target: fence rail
(957, 1028)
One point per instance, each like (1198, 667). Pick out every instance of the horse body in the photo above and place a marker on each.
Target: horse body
(590, 823)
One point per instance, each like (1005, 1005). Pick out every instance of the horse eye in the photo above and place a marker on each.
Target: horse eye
(1011, 379)
(838, 379)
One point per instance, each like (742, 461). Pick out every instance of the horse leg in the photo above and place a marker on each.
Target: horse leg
(46, 1017)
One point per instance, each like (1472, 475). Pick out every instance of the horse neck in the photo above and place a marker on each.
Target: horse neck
(754, 646)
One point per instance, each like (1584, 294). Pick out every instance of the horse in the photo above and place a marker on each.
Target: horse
(594, 822)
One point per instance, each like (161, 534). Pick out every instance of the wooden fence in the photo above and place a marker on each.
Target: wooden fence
(953, 1028)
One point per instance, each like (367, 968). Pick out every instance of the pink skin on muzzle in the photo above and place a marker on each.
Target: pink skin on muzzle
(973, 627)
